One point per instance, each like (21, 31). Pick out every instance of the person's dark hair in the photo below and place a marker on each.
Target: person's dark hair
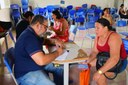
(104, 22)
(38, 18)
(28, 14)
(104, 10)
(121, 5)
(57, 13)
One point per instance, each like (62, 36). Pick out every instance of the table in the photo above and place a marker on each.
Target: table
(71, 59)
(3, 34)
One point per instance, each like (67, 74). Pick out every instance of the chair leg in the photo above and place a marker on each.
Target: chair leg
(11, 36)
(14, 79)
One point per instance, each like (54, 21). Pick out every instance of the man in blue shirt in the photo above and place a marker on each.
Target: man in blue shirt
(30, 59)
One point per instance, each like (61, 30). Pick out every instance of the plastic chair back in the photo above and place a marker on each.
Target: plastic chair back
(24, 5)
(90, 25)
(80, 19)
(9, 62)
(42, 11)
(125, 44)
(69, 7)
(50, 8)
(84, 6)
(72, 14)
(24, 2)
(93, 19)
(15, 10)
(81, 12)
(65, 13)
(14, 6)
(121, 23)
(90, 11)
(36, 11)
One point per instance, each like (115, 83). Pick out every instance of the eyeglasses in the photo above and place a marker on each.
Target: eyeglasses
(45, 26)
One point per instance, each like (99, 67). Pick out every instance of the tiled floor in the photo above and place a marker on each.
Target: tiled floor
(5, 78)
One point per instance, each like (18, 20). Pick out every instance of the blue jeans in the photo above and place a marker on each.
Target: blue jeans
(57, 73)
(40, 77)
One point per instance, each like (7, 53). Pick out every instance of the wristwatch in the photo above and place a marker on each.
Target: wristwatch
(100, 72)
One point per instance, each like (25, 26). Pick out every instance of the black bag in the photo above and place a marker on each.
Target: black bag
(102, 57)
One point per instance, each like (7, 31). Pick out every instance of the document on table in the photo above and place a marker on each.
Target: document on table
(63, 56)
(71, 52)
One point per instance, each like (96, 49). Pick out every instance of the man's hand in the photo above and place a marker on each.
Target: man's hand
(60, 50)
(60, 44)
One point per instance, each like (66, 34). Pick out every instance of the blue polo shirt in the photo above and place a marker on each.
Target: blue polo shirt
(27, 44)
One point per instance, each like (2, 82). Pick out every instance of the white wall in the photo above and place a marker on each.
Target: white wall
(118, 3)
(126, 3)
(43, 3)
(4, 4)
(5, 10)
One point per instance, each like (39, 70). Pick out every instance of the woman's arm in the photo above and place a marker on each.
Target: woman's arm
(64, 25)
(122, 11)
(115, 46)
(112, 22)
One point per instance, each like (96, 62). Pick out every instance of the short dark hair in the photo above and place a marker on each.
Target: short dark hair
(121, 5)
(57, 13)
(38, 18)
(104, 22)
(105, 10)
(28, 14)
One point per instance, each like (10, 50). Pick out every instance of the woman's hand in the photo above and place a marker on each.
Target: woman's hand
(96, 76)
(84, 62)
(50, 28)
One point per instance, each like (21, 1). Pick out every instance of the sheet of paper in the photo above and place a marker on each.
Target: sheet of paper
(72, 52)
(63, 56)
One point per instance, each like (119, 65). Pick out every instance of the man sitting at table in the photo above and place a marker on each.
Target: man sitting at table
(30, 60)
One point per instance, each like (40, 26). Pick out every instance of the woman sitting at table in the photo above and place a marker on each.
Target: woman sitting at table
(60, 26)
(122, 12)
(106, 14)
(106, 41)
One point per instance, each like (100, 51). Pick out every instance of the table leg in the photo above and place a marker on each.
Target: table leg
(66, 73)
